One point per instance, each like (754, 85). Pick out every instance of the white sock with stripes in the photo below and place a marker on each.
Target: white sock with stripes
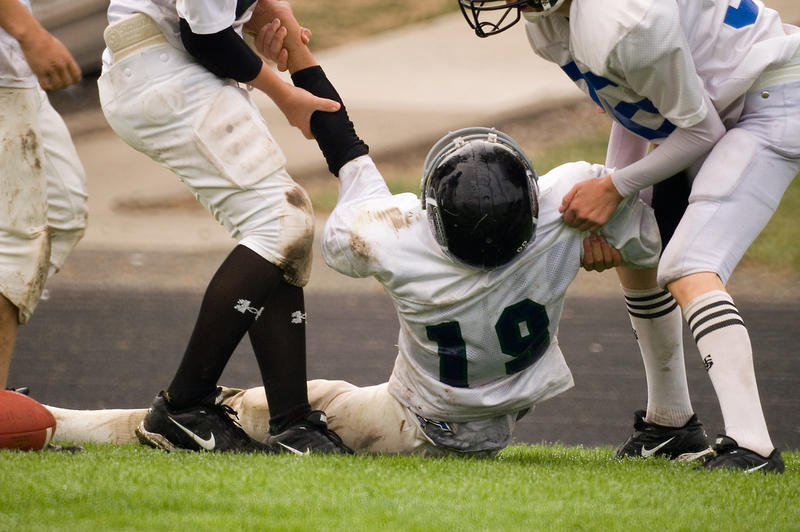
(658, 325)
(724, 345)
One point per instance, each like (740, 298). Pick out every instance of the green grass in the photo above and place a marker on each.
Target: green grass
(526, 488)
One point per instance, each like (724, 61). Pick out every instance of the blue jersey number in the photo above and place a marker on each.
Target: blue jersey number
(522, 332)
(744, 15)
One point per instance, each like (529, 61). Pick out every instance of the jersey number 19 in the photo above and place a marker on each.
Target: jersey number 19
(522, 332)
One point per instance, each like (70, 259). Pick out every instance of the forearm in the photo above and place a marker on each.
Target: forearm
(268, 82)
(300, 57)
(18, 21)
(334, 132)
(678, 151)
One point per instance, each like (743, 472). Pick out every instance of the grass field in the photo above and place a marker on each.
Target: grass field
(526, 488)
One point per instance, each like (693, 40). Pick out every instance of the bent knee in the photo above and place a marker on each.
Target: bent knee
(287, 243)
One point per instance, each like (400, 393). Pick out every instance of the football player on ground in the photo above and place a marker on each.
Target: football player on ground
(43, 211)
(716, 86)
(170, 87)
(477, 269)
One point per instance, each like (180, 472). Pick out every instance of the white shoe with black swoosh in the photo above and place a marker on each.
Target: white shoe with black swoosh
(208, 425)
(649, 439)
(728, 454)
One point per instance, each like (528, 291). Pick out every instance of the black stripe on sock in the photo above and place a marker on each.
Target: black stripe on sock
(654, 314)
(657, 304)
(699, 311)
(648, 298)
(695, 324)
(716, 326)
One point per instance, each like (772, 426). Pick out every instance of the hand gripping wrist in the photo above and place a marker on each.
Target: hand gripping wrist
(334, 132)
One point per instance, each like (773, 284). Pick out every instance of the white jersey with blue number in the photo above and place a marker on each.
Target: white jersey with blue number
(14, 69)
(472, 344)
(650, 63)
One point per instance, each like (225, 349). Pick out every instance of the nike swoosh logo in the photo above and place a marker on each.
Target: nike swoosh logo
(646, 453)
(292, 449)
(208, 444)
(755, 468)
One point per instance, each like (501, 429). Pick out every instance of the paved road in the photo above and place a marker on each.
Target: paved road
(122, 346)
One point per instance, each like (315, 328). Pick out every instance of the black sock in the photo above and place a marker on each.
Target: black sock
(279, 342)
(233, 300)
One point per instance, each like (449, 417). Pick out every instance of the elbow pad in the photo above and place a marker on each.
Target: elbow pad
(224, 53)
(334, 132)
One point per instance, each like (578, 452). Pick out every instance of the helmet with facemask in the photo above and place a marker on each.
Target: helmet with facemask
(490, 17)
(481, 198)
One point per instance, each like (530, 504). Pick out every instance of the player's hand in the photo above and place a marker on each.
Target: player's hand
(589, 204)
(270, 42)
(298, 105)
(50, 60)
(599, 255)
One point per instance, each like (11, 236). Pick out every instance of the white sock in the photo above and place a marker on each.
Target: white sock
(724, 345)
(658, 325)
(96, 426)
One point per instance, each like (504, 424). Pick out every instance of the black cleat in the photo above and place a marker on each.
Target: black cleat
(309, 435)
(688, 442)
(728, 454)
(207, 426)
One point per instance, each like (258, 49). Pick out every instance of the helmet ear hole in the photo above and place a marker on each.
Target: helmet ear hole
(480, 194)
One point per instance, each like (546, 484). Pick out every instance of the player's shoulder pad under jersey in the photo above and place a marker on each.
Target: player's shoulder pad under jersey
(600, 26)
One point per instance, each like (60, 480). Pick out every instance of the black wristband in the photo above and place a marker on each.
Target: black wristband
(334, 132)
(224, 53)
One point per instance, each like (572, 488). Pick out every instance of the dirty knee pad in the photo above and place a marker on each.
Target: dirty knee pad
(290, 248)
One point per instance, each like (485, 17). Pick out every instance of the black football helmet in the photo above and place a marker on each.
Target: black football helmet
(481, 197)
(502, 14)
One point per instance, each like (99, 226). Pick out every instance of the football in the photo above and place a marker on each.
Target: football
(24, 423)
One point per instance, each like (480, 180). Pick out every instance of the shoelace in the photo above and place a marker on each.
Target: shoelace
(232, 414)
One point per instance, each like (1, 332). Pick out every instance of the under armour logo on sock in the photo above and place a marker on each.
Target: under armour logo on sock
(243, 306)
(298, 317)
(707, 362)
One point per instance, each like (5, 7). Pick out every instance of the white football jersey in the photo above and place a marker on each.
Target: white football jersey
(472, 344)
(649, 63)
(204, 17)
(14, 69)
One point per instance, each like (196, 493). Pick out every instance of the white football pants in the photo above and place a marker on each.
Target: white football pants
(43, 209)
(737, 187)
(208, 131)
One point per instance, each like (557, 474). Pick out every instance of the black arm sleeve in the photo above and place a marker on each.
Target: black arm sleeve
(224, 53)
(334, 132)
